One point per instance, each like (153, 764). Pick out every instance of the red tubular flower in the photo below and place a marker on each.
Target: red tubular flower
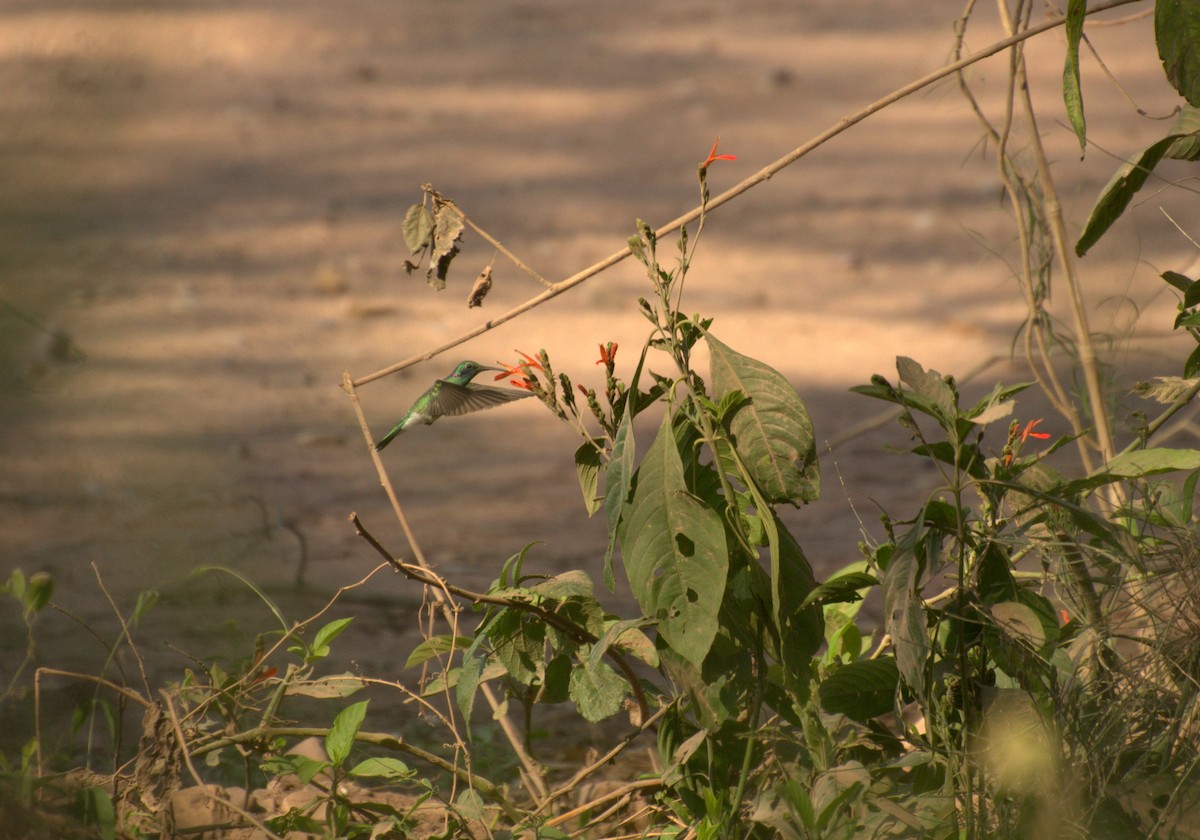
(713, 156)
(608, 353)
(1015, 439)
(1028, 431)
(516, 370)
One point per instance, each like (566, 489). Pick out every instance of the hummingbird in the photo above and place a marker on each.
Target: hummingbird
(453, 396)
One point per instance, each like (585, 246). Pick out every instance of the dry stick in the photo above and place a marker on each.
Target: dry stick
(764, 174)
(550, 618)
(530, 772)
(1062, 249)
(1014, 187)
(624, 790)
(605, 759)
(137, 656)
(513, 258)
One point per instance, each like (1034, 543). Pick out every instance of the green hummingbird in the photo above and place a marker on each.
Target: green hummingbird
(453, 396)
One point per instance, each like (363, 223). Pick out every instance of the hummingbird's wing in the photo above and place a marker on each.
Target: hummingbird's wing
(454, 400)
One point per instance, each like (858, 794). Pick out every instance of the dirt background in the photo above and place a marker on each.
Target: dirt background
(200, 232)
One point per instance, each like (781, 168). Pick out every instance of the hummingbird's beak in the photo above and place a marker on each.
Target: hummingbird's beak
(490, 367)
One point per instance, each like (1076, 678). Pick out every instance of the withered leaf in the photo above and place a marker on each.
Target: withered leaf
(483, 285)
(447, 230)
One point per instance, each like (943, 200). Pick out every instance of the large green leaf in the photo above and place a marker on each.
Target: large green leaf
(618, 475)
(904, 617)
(674, 550)
(1072, 95)
(845, 588)
(801, 628)
(1120, 191)
(598, 690)
(861, 690)
(341, 734)
(1177, 34)
(1143, 462)
(772, 431)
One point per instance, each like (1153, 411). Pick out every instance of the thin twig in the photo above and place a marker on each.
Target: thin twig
(124, 628)
(584, 773)
(763, 174)
(624, 790)
(513, 258)
(428, 578)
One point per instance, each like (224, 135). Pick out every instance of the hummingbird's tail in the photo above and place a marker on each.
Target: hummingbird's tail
(386, 439)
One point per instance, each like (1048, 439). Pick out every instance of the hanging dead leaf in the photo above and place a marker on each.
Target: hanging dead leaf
(483, 285)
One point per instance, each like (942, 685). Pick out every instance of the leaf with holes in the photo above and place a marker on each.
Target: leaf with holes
(674, 550)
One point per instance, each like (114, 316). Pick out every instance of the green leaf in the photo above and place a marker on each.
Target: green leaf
(1184, 284)
(772, 432)
(320, 645)
(587, 467)
(574, 583)
(730, 403)
(37, 592)
(861, 690)
(469, 676)
(341, 734)
(618, 476)
(938, 398)
(598, 691)
(388, 768)
(1072, 95)
(1177, 34)
(417, 227)
(556, 680)
(627, 636)
(904, 616)
(15, 585)
(520, 644)
(1187, 123)
(436, 646)
(1143, 462)
(675, 553)
(1018, 621)
(801, 629)
(844, 589)
(1120, 191)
